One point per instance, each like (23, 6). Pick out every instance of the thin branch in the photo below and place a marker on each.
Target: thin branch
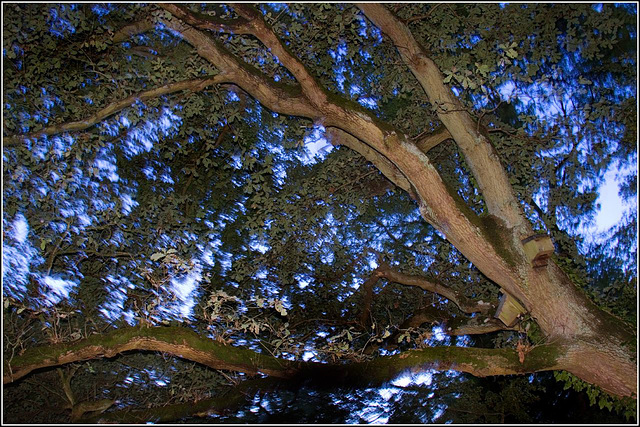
(207, 22)
(463, 303)
(194, 85)
(423, 16)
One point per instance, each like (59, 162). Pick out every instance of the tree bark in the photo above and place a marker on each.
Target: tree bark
(186, 344)
(563, 312)
(194, 85)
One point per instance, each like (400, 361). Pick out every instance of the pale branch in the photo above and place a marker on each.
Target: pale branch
(538, 289)
(464, 304)
(194, 85)
(437, 205)
(186, 344)
(337, 136)
(282, 98)
(314, 104)
(429, 140)
(478, 151)
(259, 28)
(253, 23)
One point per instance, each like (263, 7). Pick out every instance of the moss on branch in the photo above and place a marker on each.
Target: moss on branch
(186, 344)
(178, 341)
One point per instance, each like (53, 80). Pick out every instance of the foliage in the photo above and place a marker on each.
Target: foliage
(205, 209)
(625, 406)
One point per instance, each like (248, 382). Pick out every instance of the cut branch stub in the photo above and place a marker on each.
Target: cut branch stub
(509, 309)
(538, 249)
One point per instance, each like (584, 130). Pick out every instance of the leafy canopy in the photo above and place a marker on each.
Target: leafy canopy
(203, 208)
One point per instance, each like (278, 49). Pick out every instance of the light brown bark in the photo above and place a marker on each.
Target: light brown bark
(478, 151)
(437, 205)
(562, 311)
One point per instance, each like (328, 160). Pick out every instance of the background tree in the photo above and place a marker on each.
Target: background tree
(172, 246)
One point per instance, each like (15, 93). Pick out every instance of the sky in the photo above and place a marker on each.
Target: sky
(610, 212)
(611, 205)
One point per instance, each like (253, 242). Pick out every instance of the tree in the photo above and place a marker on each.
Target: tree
(157, 198)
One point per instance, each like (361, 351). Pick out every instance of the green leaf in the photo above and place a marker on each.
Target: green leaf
(156, 256)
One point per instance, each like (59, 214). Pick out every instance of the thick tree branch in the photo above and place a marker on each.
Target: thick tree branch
(538, 289)
(576, 357)
(194, 85)
(180, 342)
(314, 92)
(282, 98)
(437, 205)
(186, 344)
(339, 137)
(477, 149)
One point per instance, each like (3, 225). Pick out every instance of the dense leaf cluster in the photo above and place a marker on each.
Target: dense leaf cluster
(203, 208)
